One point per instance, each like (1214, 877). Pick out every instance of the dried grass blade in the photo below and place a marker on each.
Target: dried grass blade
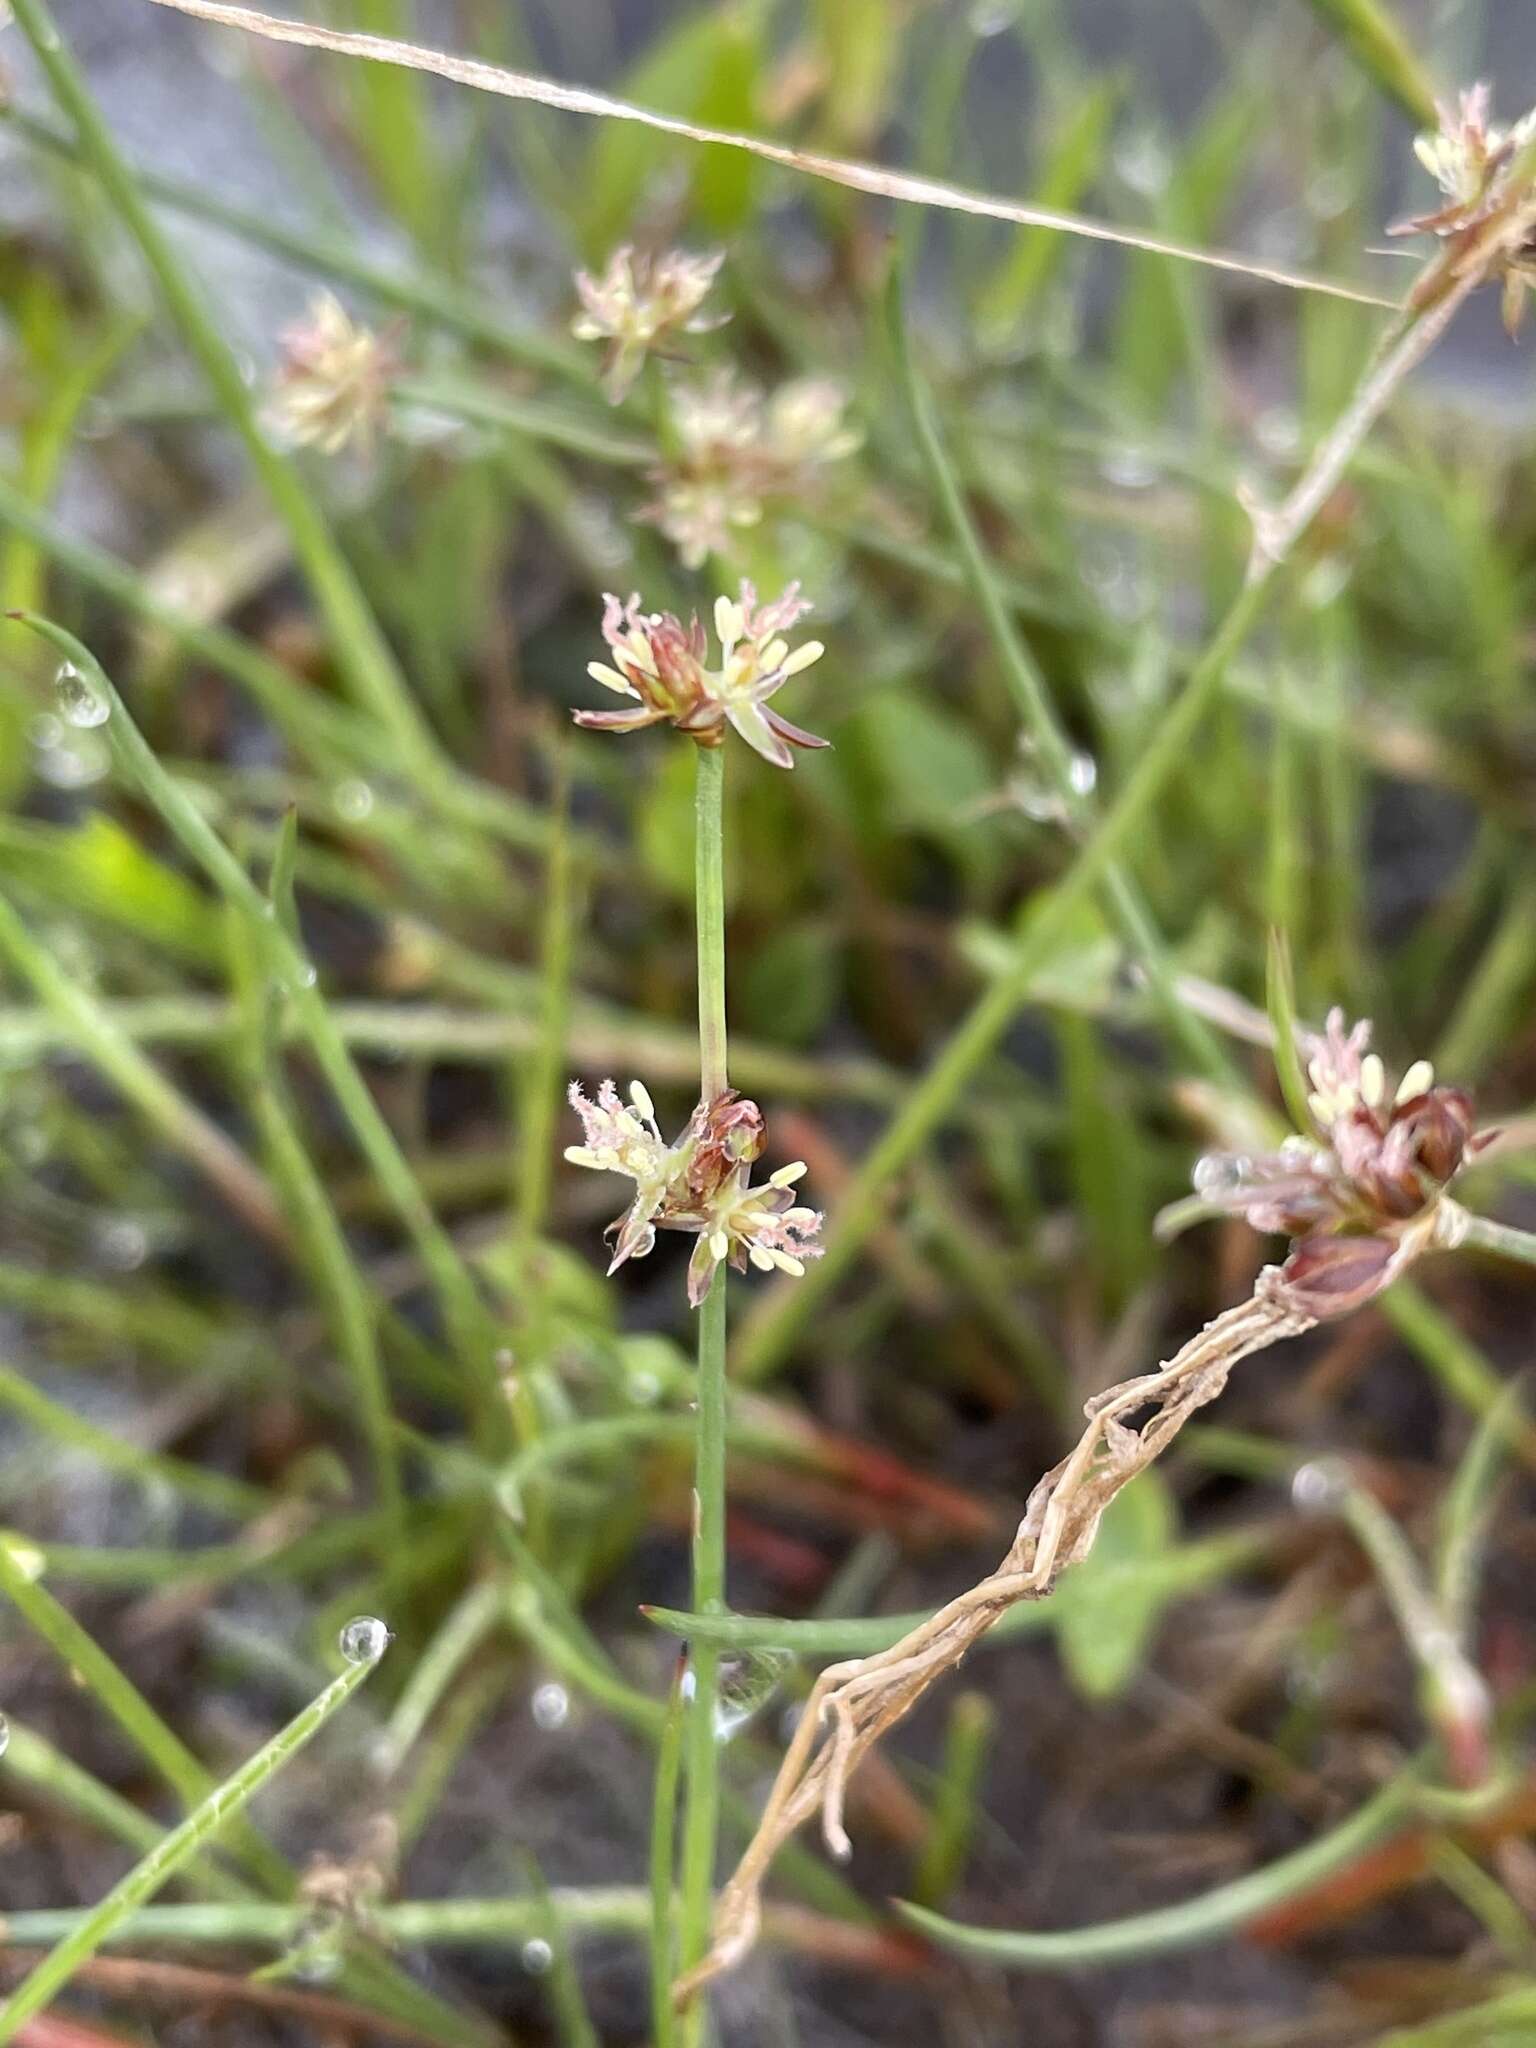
(876, 179)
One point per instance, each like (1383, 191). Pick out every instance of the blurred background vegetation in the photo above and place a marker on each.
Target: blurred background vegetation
(241, 1389)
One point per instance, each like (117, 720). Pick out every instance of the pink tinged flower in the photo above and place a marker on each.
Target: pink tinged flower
(660, 666)
(332, 386)
(625, 1139)
(640, 304)
(701, 1185)
(1379, 1157)
(763, 1227)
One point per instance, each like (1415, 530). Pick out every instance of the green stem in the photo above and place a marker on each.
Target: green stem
(1194, 1921)
(701, 1821)
(362, 653)
(709, 914)
(1484, 1235)
(147, 1876)
(662, 1867)
(1032, 698)
(285, 961)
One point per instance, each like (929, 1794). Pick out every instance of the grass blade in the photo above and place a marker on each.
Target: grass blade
(163, 1861)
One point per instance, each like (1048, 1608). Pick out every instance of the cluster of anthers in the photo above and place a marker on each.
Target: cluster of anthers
(736, 449)
(662, 665)
(332, 384)
(640, 305)
(701, 1184)
(1478, 168)
(1360, 1194)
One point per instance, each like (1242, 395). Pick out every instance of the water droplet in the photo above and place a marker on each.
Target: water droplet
(992, 17)
(45, 730)
(537, 1956)
(1083, 774)
(353, 799)
(80, 700)
(73, 767)
(747, 1683)
(550, 1707)
(123, 1245)
(1218, 1174)
(5, 1735)
(1319, 1488)
(364, 1639)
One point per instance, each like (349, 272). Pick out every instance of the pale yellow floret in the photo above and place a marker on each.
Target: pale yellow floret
(1373, 1080)
(802, 657)
(1418, 1080)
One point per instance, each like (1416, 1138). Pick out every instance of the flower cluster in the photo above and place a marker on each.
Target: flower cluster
(738, 447)
(332, 385)
(1474, 164)
(701, 1184)
(1357, 1192)
(640, 304)
(661, 664)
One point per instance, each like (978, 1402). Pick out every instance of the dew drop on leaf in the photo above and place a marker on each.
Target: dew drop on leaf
(364, 1639)
(747, 1683)
(80, 701)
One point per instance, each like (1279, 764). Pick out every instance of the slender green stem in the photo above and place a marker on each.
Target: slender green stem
(1186, 1569)
(1484, 1235)
(81, 1654)
(362, 653)
(976, 1036)
(662, 1869)
(87, 1023)
(463, 1310)
(208, 1487)
(701, 1821)
(709, 914)
(1032, 698)
(1193, 1922)
(419, 292)
(39, 1987)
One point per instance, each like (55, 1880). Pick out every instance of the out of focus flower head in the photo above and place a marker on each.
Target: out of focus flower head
(739, 448)
(662, 666)
(1356, 1192)
(701, 1185)
(639, 306)
(332, 385)
(1477, 167)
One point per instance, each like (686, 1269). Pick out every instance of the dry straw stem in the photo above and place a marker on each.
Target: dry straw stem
(875, 179)
(853, 1704)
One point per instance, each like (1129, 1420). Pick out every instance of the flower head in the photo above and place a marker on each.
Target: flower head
(701, 1185)
(737, 449)
(661, 664)
(1474, 165)
(639, 304)
(1357, 1190)
(332, 386)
